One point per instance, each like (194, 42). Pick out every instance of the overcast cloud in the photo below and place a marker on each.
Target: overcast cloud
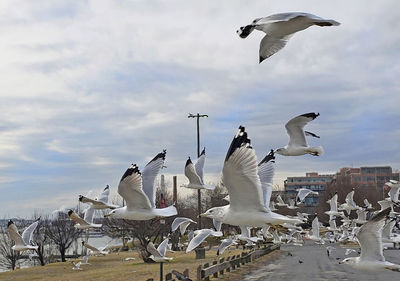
(88, 87)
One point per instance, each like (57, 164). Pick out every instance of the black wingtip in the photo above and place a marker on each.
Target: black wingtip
(188, 162)
(38, 219)
(132, 169)
(70, 212)
(381, 215)
(261, 59)
(107, 187)
(160, 155)
(270, 157)
(239, 139)
(81, 197)
(312, 115)
(203, 152)
(10, 222)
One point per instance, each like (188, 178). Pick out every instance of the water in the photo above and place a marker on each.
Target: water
(316, 265)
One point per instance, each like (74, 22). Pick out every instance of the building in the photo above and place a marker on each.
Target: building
(312, 181)
(368, 177)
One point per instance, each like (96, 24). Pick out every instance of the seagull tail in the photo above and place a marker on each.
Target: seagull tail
(166, 212)
(316, 151)
(327, 23)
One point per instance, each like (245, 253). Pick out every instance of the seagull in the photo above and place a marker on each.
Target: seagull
(200, 236)
(349, 205)
(333, 204)
(362, 217)
(302, 193)
(225, 244)
(158, 255)
(95, 251)
(240, 177)
(266, 171)
(182, 223)
(101, 202)
(77, 266)
(297, 144)
(138, 190)
(292, 204)
(280, 202)
(85, 260)
(23, 242)
(369, 237)
(394, 191)
(367, 205)
(315, 232)
(279, 28)
(86, 222)
(194, 173)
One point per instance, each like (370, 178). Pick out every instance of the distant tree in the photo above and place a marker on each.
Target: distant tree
(46, 248)
(62, 233)
(8, 257)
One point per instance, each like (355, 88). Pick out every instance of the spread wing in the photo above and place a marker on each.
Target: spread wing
(104, 195)
(302, 193)
(89, 214)
(15, 236)
(282, 17)
(152, 250)
(182, 223)
(266, 171)
(369, 237)
(28, 232)
(94, 249)
(270, 45)
(162, 248)
(198, 239)
(130, 188)
(199, 165)
(74, 216)
(315, 227)
(149, 175)
(240, 174)
(333, 203)
(295, 128)
(190, 173)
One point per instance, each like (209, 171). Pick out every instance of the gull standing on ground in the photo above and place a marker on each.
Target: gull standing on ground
(297, 137)
(139, 193)
(369, 237)
(158, 255)
(86, 222)
(279, 28)
(182, 223)
(23, 242)
(101, 202)
(194, 173)
(240, 177)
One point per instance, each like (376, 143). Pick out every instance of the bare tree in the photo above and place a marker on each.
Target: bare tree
(8, 257)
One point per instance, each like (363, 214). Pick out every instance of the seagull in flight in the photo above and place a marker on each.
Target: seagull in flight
(86, 222)
(194, 173)
(158, 255)
(139, 191)
(279, 28)
(369, 236)
(101, 202)
(182, 223)
(23, 242)
(297, 143)
(95, 251)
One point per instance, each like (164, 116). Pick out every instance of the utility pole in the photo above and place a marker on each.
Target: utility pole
(198, 116)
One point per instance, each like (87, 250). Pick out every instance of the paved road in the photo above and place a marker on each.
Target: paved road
(317, 266)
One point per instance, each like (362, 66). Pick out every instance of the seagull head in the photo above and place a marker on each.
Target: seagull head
(214, 213)
(349, 261)
(116, 213)
(281, 151)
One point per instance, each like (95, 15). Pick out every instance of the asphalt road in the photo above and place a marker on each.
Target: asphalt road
(311, 262)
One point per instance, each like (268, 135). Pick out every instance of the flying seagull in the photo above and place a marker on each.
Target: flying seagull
(86, 222)
(194, 173)
(279, 28)
(95, 251)
(138, 190)
(369, 237)
(302, 193)
(200, 236)
(23, 242)
(297, 144)
(158, 255)
(101, 202)
(182, 223)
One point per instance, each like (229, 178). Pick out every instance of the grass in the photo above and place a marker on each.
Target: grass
(114, 267)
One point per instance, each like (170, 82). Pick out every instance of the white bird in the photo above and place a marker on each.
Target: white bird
(297, 137)
(333, 204)
(158, 255)
(101, 202)
(279, 28)
(369, 237)
(361, 217)
(367, 205)
(96, 251)
(314, 235)
(394, 190)
(292, 204)
(240, 176)
(280, 202)
(302, 193)
(85, 260)
(76, 266)
(86, 222)
(23, 242)
(266, 171)
(194, 173)
(138, 190)
(349, 205)
(225, 244)
(200, 236)
(182, 223)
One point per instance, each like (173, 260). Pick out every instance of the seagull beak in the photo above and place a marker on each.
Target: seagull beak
(107, 215)
(201, 215)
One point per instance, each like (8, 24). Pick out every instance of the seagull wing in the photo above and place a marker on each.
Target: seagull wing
(280, 200)
(217, 225)
(199, 165)
(130, 188)
(266, 171)
(94, 249)
(74, 216)
(280, 17)
(28, 232)
(149, 175)
(225, 243)
(190, 173)
(198, 239)
(394, 193)
(302, 193)
(162, 248)
(152, 250)
(104, 195)
(85, 199)
(333, 203)
(295, 128)
(369, 237)
(315, 227)
(89, 214)
(241, 176)
(13, 231)
(349, 199)
(182, 223)
(269, 45)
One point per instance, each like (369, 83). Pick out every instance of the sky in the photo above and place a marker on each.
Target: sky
(89, 87)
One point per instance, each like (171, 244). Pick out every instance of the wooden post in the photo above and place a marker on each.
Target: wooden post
(168, 277)
(186, 272)
(221, 261)
(215, 275)
(175, 190)
(161, 271)
(207, 278)
(199, 277)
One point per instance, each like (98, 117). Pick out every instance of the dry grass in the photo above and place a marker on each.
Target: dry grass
(113, 267)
